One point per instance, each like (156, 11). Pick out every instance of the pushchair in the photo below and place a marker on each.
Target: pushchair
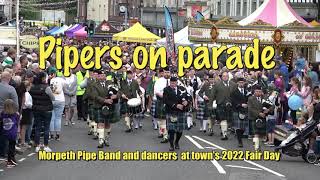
(296, 144)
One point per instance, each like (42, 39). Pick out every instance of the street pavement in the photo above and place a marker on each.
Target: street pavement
(75, 138)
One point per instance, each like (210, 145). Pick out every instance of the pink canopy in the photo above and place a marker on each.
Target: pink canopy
(275, 12)
(81, 34)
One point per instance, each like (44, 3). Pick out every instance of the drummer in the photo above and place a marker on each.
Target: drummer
(129, 89)
(100, 92)
(177, 102)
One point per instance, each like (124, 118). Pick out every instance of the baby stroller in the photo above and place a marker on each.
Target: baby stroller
(296, 143)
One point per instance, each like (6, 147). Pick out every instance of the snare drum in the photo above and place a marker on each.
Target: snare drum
(134, 106)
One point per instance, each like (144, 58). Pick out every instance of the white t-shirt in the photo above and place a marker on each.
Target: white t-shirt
(56, 85)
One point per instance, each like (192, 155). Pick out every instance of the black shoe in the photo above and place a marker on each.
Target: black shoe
(204, 131)
(57, 137)
(100, 146)
(164, 141)
(90, 133)
(224, 138)
(128, 130)
(211, 134)
(95, 138)
(177, 146)
(106, 143)
(51, 136)
(171, 148)
(160, 136)
(240, 145)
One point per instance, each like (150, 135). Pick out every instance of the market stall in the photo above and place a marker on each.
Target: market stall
(61, 30)
(136, 33)
(273, 23)
(70, 32)
(104, 31)
(180, 38)
(52, 30)
(81, 34)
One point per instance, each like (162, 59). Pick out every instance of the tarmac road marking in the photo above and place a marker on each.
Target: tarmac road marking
(194, 142)
(250, 162)
(31, 154)
(1, 170)
(213, 148)
(22, 159)
(219, 167)
(243, 167)
(214, 162)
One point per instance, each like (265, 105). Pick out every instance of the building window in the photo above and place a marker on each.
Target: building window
(244, 8)
(1, 7)
(238, 8)
(219, 8)
(228, 8)
(254, 6)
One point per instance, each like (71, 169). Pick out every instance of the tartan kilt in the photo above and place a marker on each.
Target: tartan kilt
(91, 112)
(239, 124)
(209, 113)
(160, 110)
(153, 108)
(200, 111)
(223, 114)
(112, 117)
(124, 107)
(178, 126)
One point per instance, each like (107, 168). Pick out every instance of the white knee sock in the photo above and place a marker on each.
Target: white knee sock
(205, 123)
(224, 127)
(189, 121)
(256, 143)
(94, 124)
(101, 135)
(128, 123)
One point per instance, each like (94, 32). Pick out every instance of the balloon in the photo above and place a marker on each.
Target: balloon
(295, 102)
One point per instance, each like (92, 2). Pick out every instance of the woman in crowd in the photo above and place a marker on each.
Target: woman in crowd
(42, 109)
(56, 85)
(27, 116)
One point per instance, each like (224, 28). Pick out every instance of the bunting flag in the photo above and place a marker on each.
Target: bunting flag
(198, 17)
(171, 51)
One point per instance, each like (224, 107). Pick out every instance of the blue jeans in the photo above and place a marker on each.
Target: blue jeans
(42, 120)
(29, 131)
(55, 124)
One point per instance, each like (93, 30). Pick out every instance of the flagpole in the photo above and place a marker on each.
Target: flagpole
(18, 29)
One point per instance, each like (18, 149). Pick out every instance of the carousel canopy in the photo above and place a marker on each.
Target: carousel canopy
(275, 12)
(180, 37)
(137, 33)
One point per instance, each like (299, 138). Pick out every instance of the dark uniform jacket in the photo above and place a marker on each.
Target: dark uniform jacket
(100, 92)
(172, 98)
(130, 90)
(254, 108)
(223, 93)
(207, 89)
(237, 99)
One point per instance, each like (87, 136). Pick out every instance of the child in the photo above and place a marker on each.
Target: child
(9, 119)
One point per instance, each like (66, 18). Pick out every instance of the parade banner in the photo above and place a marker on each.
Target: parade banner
(170, 36)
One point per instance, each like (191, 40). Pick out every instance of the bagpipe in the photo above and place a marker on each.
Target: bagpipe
(267, 104)
(113, 89)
